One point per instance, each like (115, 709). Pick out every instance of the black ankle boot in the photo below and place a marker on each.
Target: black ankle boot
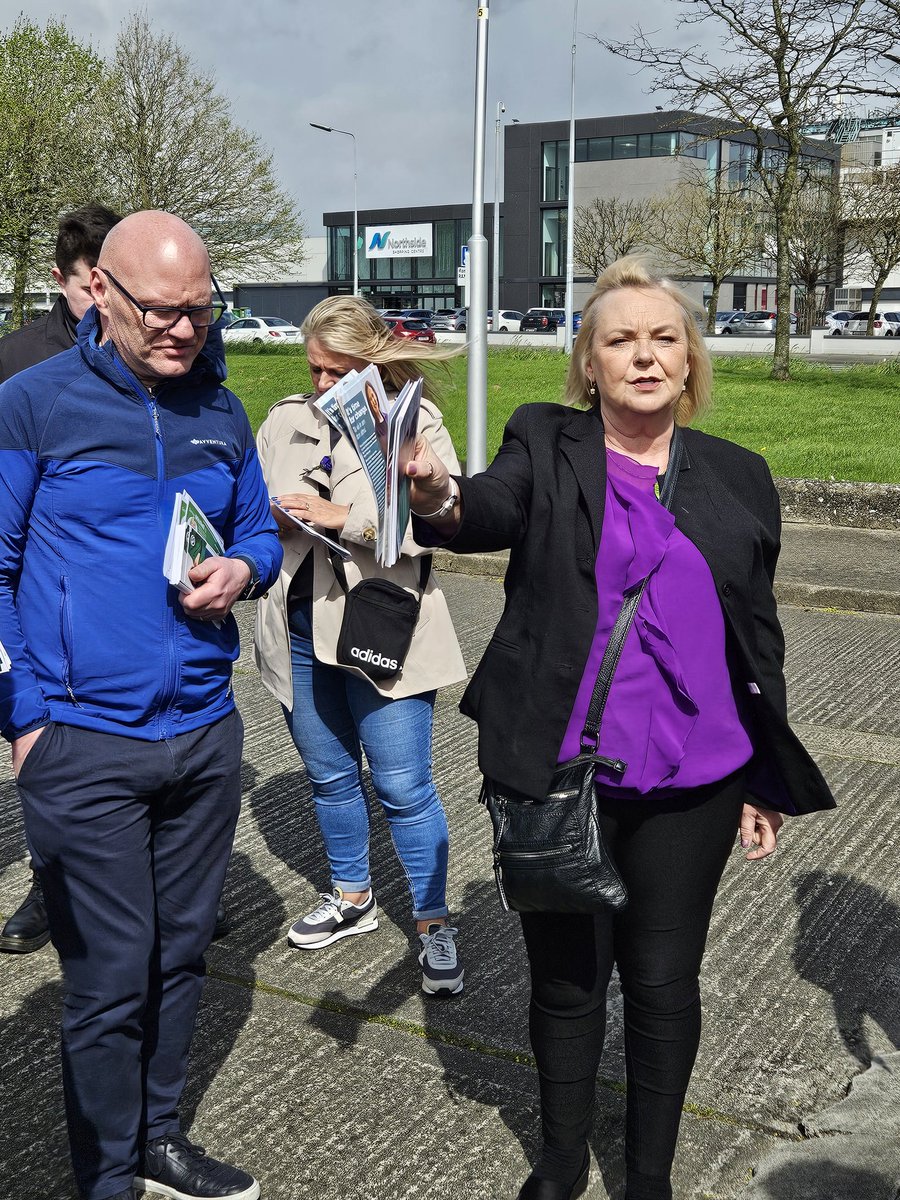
(27, 928)
(549, 1189)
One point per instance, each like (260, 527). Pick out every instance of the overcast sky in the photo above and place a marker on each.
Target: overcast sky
(399, 74)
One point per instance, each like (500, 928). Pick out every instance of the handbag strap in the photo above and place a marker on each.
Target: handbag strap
(590, 735)
(425, 562)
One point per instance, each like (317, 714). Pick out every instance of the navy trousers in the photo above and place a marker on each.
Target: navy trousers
(131, 841)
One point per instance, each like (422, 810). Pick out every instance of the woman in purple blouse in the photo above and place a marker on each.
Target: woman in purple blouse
(697, 707)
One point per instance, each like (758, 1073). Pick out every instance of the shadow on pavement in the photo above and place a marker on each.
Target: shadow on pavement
(257, 921)
(817, 1180)
(848, 944)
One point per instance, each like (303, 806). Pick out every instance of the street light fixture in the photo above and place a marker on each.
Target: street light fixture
(347, 133)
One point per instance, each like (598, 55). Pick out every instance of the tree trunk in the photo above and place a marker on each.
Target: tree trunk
(20, 284)
(781, 366)
(712, 307)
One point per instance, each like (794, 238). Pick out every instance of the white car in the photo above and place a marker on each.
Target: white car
(886, 324)
(272, 330)
(509, 321)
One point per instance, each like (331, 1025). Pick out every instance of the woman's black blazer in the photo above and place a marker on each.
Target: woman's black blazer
(543, 498)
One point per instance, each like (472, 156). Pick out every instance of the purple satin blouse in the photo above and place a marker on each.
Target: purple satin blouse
(671, 713)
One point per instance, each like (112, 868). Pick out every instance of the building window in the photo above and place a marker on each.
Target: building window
(553, 257)
(625, 146)
(556, 170)
(340, 264)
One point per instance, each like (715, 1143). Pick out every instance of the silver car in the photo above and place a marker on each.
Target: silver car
(762, 321)
(450, 319)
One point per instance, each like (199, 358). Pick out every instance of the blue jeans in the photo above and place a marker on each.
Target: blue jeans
(335, 717)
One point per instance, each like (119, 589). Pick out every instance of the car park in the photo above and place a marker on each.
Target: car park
(450, 319)
(886, 324)
(509, 322)
(835, 322)
(761, 321)
(261, 329)
(542, 320)
(726, 319)
(411, 329)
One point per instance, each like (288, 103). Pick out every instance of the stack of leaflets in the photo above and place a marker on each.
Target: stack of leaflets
(314, 533)
(383, 433)
(5, 664)
(191, 540)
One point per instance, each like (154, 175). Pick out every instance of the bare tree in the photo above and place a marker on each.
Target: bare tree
(871, 205)
(171, 143)
(47, 143)
(609, 228)
(713, 227)
(778, 64)
(815, 247)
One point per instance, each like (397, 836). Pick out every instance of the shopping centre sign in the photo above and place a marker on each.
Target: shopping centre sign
(398, 241)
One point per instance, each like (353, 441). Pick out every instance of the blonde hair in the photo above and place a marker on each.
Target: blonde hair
(634, 272)
(350, 325)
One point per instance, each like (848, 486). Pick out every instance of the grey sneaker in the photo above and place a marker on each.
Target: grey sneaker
(334, 918)
(441, 971)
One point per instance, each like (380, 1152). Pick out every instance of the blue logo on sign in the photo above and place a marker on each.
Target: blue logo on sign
(379, 240)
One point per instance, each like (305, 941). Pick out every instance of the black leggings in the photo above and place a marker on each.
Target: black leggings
(671, 854)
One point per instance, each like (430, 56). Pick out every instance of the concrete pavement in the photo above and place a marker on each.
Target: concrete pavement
(332, 1077)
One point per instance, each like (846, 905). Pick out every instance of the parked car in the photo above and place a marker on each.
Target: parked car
(576, 321)
(450, 319)
(886, 324)
(418, 314)
(389, 312)
(510, 320)
(725, 319)
(408, 327)
(835, 322)
(761, 321)
(542, 320)
(261, 329)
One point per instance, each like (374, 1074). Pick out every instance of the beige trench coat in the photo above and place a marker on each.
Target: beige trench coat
(292, 440)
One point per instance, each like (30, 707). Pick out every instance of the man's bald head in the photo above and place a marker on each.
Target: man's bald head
(152, 235)
(152, 259)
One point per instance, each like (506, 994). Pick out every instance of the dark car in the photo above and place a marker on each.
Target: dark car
(418, 314)
(543, 320)
(407, 327)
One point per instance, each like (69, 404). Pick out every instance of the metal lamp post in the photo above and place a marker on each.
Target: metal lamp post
(495, 293)
(570, 201)
(476, 433)
(347, 133)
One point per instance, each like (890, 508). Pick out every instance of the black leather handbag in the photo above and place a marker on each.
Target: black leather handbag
(549, 854)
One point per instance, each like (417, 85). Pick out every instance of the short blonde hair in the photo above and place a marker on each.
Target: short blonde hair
(350, 325)
(635, 272)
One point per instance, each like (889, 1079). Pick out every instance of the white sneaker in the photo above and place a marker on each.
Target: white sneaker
(334, 918)
(441, 971)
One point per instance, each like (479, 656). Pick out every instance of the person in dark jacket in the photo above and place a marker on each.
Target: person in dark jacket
(78, 243)
(119, 706)
(697, 708)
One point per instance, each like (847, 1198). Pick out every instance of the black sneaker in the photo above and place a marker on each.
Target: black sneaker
(173, 1167)
(27, 929)
(441, 971)
(332, 919)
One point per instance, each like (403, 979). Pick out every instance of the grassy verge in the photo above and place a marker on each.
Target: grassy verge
(822, 424)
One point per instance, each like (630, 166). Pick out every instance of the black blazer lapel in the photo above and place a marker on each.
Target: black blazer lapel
(583, 445)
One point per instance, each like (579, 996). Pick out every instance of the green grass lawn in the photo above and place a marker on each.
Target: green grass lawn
(823, 424)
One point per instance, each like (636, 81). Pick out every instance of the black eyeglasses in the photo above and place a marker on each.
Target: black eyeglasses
(165, 316)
